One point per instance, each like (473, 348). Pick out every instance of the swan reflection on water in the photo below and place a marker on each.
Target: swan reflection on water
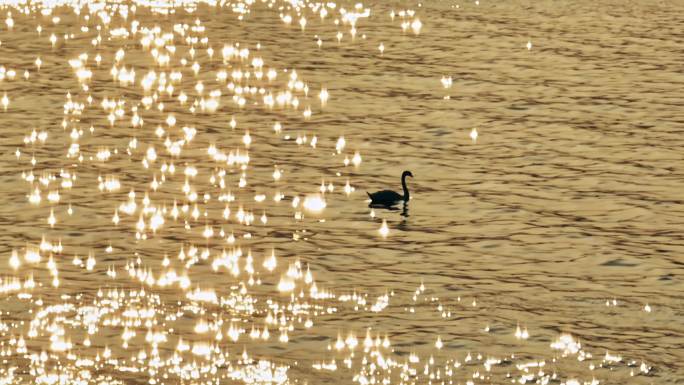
(404, 208)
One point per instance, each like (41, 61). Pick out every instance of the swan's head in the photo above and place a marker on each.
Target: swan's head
(406, 173)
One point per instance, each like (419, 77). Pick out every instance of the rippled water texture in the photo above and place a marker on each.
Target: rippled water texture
(184, 193)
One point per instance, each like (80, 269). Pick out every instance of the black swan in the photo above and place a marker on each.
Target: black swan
(388, 197)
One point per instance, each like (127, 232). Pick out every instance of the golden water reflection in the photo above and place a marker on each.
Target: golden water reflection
(182, 207)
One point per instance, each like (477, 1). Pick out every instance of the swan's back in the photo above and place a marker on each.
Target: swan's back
(385, 197)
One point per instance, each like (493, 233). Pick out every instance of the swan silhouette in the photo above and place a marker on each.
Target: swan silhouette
(389, 198)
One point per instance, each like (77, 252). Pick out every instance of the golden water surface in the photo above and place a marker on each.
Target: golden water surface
(183, 192)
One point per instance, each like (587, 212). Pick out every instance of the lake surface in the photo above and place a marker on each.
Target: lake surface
(184, 192)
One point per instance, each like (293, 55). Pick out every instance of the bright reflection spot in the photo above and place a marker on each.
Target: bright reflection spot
(473, 135)
(384, 230)
(314, 203)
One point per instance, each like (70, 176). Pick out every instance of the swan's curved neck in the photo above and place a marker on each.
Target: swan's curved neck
(403, 184)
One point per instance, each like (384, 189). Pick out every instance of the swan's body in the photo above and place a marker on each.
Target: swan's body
(385, 197)
(389, 197)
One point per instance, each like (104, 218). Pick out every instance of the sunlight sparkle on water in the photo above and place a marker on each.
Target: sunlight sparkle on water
(314, 203)
(384, 230)
(473, 135)
(166, 145)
